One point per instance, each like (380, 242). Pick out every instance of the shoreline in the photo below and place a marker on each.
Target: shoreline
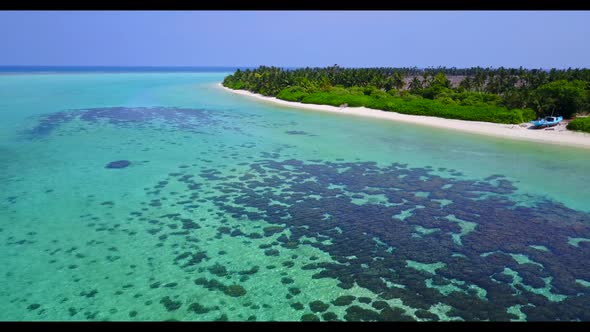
(559, 135)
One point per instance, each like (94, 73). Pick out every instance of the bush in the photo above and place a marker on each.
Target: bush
(445, 100)
(370, 89)
(394, 92)
(294, 93)
(580, 124)
(379, 94)
(356, 90)
(528, 115)
(327, 98)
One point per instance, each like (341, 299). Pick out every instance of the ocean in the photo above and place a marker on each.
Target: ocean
(153, 194)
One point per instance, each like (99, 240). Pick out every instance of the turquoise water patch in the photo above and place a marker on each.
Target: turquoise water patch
(575, 241)
(429, 268)
(542, 248)
(466, 227)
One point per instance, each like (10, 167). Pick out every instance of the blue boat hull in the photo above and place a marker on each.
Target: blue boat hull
(547, 122)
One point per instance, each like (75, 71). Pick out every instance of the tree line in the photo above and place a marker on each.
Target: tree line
(559, 92)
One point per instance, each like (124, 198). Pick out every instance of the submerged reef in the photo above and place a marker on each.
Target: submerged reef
(118, 164)
(192, 120)
(399, 243)
(407, 234)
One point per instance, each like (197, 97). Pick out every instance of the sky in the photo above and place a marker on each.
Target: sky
(532, 39)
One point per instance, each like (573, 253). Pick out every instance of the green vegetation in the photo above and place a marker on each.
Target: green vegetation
(408, 104)
(580, 124)
(562, 97)
(476, 94)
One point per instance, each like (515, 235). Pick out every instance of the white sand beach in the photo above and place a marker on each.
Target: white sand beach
(555, 135)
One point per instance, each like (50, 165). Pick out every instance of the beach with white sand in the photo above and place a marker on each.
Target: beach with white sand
(554, 135)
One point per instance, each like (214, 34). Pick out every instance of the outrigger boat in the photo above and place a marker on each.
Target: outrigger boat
(548, 121)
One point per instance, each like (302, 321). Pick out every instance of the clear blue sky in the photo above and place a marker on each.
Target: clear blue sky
(531, 39)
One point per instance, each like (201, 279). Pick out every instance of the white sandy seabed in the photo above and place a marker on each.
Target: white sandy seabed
(555, 135)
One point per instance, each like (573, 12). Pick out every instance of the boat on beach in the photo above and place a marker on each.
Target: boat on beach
(548, 121)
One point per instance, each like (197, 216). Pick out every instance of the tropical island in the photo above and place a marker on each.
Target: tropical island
(499, 96)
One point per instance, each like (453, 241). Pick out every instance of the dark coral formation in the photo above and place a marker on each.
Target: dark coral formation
(330, 316)
(376, 242)
(343, 300)
(118, 164)
(170, 304)
(235, 291)
(318, 306)
(299, 132)
(310, 318)
(297, 306)
(198, 308)
(192, 120)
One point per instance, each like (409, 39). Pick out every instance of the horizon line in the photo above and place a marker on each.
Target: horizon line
(29, 66)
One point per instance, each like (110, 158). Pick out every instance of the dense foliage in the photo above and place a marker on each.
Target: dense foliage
(407, 104)
(481, 94)
(580, 124)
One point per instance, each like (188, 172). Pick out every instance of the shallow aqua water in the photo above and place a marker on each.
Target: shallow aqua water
(240, 210)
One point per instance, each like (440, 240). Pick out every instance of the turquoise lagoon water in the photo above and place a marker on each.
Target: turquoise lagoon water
(234, 209)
